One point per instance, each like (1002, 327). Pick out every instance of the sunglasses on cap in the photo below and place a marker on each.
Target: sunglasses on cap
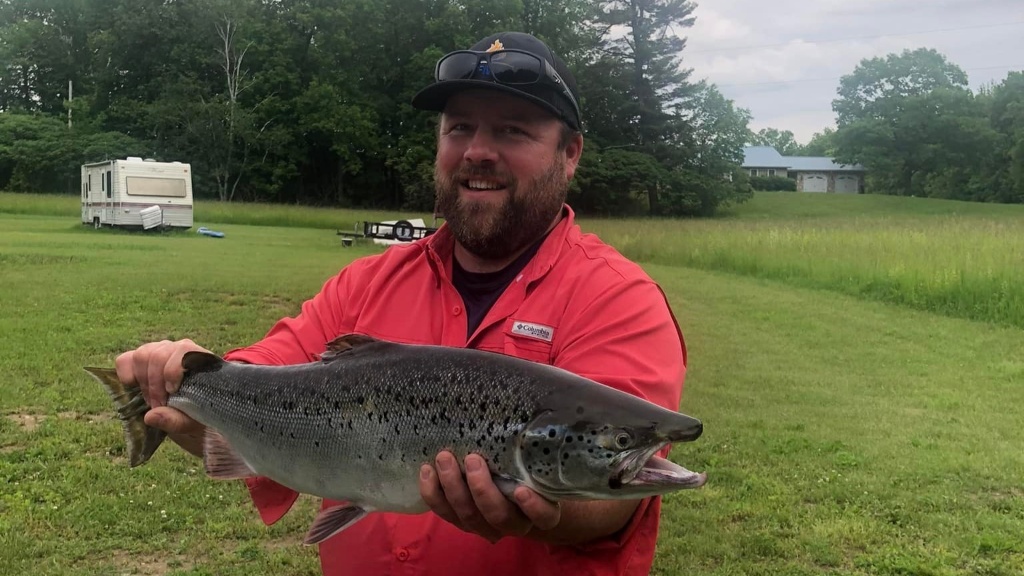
(509, 67)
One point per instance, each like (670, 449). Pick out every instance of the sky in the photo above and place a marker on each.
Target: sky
(782, 59)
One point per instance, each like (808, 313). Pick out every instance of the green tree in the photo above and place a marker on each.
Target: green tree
(782, 140)
(650, 48)
(878, 86)
(821, 144)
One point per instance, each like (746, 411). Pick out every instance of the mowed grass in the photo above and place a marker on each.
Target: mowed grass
(843, 435)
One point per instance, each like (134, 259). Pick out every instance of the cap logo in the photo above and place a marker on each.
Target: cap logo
(496, 45)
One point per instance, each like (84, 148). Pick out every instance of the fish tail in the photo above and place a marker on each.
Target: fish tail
(142, 441)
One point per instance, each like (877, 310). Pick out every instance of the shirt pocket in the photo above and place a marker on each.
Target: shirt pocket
(522, 345)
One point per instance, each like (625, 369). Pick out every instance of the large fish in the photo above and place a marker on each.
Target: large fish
(357, 425)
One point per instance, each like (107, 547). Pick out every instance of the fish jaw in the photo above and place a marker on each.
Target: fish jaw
(661, 473)
(644, 473)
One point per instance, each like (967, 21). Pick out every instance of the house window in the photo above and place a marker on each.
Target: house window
(753, 171)
(771, 171)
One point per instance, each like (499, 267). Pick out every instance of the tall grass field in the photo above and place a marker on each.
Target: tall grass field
(858, 362)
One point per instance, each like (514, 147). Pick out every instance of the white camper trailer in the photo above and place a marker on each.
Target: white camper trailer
(137, 193)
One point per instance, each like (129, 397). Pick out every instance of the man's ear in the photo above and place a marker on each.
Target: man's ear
(573, 150)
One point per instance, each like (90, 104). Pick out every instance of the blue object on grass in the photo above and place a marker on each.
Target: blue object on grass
(207, 232)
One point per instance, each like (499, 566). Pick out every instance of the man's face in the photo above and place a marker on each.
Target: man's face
(500, 174)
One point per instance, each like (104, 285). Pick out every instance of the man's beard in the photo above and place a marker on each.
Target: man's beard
(497, 231)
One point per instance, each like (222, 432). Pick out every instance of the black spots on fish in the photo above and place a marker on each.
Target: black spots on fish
(580, 437)
(416, 429)
(547, 450)
(360, 400)
(397, 430)
(552, 433)
(292, 435)
(536, 444)
(565, 455)
(316, 443)
(608, 455)
(359, 456)
(424, 450)
(590, 450)
(568, 439)
(380, 457)
(288, 405)
(350, 425)
(483, 406)
(337, 405)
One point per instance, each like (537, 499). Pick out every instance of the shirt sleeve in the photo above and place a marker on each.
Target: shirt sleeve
(628, 338)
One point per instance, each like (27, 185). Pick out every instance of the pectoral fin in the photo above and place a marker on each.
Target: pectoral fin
(333, 520)
(507, 485)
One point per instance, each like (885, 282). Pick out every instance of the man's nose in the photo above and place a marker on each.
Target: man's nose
(481, 148)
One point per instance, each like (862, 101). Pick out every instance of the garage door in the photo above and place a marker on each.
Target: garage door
(847, 184)
(815, 183)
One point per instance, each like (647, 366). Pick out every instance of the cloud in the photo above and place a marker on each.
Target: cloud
(782, 60)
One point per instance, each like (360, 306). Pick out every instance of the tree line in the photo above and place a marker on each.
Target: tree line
(911, 119)
(307, 101)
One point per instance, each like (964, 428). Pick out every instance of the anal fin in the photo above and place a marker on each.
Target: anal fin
(221, 461)
(333, 520)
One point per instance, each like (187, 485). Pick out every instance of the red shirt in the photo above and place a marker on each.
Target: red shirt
(578, 304)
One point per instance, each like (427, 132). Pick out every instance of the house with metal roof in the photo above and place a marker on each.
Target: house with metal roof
(812, 173)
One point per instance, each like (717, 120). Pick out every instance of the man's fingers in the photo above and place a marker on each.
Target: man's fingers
(459, 498)
(540, 511)
(433, 495)
(495, 508)
(173, 421)
(172, 370)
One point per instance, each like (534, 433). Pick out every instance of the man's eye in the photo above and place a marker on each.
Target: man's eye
(513, 130)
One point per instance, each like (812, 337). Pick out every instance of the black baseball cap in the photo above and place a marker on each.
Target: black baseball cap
(549, 93)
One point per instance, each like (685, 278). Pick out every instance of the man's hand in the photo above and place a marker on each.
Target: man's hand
(476, 505)
(156, 369)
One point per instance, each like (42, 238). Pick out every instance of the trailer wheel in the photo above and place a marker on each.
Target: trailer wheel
(402, 230)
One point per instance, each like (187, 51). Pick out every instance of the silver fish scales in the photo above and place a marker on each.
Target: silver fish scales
(356, 426)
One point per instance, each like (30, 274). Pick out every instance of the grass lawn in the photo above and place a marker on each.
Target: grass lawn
(847, 431)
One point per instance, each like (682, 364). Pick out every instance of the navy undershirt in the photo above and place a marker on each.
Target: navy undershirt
(480, 290)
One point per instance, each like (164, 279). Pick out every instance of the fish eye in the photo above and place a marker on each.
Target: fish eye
(623, 440)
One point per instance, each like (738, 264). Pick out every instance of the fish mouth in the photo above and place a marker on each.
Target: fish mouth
(644, 470)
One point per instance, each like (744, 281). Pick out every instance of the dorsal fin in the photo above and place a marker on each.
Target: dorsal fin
(201, 362)
(345, 343)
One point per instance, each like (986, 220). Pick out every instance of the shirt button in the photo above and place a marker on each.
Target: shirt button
(402, 554)
(457, 310)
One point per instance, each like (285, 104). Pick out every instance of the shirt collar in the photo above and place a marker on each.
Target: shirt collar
(440, 248)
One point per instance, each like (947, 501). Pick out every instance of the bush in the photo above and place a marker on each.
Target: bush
(772, 184)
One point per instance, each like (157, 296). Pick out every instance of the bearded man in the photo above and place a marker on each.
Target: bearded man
(508, 272)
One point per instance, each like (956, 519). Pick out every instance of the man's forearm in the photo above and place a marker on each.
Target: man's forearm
(584, 522)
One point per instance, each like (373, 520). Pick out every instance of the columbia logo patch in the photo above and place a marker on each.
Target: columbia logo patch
(531, 330)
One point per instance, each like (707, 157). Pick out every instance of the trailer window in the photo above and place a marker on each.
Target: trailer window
(168, 187)
(108, 184)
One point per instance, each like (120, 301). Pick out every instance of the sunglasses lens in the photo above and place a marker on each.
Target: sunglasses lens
(515, 68)
(458, 66)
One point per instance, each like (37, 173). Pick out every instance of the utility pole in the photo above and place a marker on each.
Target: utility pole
(70, 97)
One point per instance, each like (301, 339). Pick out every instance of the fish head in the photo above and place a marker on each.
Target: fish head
(607, 452)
